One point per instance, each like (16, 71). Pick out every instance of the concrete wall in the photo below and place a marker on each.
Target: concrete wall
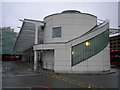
(99, 62)
(62, 61)
(72, 25)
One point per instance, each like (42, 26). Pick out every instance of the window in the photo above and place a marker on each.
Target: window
(118, 39)
(56, 32)
(114, 46)
(114, 39)
(110, 46)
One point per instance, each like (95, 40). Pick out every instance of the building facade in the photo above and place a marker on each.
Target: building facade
(115, 43)
(8, 38)
(72, 42)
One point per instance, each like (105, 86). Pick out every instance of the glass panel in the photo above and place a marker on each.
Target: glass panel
(89, 48)
(56, 32)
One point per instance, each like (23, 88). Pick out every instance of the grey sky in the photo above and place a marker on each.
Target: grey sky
(119, 14)
(13, 11)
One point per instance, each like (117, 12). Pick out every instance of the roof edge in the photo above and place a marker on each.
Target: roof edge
(70, 12)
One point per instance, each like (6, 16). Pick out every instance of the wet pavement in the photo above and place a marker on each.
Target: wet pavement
(15, 68)
(20, 68)
(21, 75)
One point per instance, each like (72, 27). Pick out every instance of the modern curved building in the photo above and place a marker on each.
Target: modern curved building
(73, 42)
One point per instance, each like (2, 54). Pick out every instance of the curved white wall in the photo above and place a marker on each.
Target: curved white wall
(99, 62)
(58, 56)
(72, 25)
(96, 63)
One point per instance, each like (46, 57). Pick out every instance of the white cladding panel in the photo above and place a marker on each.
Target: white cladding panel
(72, 26)
(62, 62)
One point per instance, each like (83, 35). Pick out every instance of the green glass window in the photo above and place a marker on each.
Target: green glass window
(89, 48)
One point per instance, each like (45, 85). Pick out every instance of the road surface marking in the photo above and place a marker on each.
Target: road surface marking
(89, 86)
(28, 86)
(64, 79)
(84, 85)
(13, 75)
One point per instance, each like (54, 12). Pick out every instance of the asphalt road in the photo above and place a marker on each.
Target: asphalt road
(52, 80)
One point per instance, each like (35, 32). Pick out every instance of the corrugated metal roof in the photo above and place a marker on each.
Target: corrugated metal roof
(26, 37)
(8, 40)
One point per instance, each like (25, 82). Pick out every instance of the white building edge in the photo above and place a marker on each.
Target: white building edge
(72, 42)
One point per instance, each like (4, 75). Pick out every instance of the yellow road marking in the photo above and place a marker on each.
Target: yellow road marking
(89, 86)
(69, 80)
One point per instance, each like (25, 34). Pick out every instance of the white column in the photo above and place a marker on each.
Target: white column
(35, 52)
(35, 60)
(36, 34)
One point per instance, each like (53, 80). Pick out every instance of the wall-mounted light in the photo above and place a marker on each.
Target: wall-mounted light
(87, 43)
(73, 52)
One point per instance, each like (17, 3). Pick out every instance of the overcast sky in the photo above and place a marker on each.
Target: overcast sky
(13, 11)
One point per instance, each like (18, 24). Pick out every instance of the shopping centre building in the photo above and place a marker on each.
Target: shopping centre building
(66, 42)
